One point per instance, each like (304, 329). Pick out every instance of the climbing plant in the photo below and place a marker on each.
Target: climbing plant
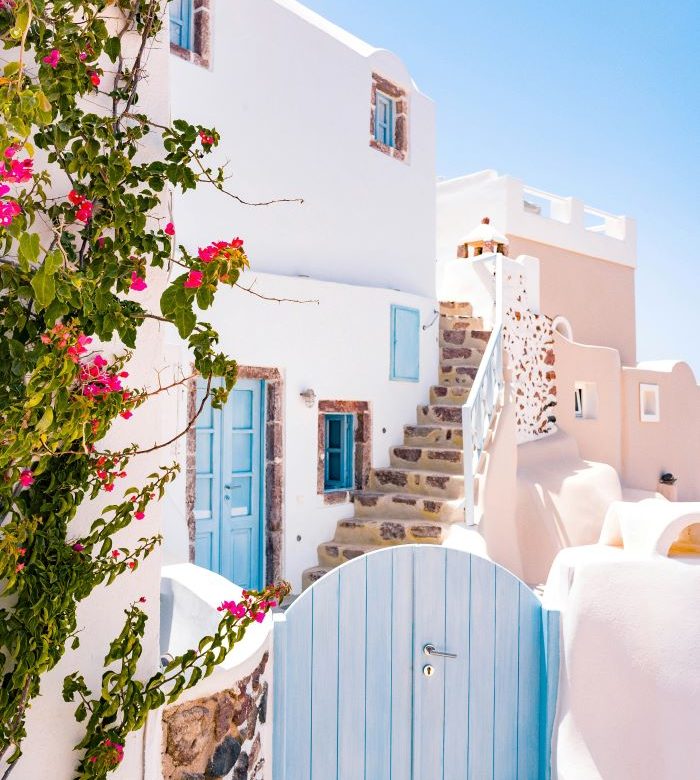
(84, 175)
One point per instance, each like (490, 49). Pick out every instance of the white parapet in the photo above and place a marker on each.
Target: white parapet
(525, 212)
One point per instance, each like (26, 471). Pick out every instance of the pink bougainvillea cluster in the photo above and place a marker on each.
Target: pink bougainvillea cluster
(12, 172)
(247, 607)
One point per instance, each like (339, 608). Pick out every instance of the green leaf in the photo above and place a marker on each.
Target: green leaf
(28, 249)
(44, 287)
(113, 48)
(185, 320)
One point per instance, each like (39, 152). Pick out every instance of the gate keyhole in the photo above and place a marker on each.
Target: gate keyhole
(428, 670)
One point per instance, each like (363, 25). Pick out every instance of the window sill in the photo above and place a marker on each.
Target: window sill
(189, 56)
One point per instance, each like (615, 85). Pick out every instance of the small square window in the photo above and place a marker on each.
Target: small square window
(338, 452)
(405, 344)
(384, 120)
(585, 400)
(649, 403)
(181, 23)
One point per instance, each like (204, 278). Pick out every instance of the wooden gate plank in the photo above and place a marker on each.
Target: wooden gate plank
(324, 708)
(505, 724)
(481, 668)
(378, 692)
(529, 683)
(299, 694)
(456, 737)
(351, 670)
(429, 692)
(402, 666)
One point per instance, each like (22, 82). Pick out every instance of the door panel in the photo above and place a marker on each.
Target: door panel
(228, 503)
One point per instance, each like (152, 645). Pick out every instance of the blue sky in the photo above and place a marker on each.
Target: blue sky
(599, 99)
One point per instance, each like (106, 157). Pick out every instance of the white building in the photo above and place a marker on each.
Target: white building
(294, 99)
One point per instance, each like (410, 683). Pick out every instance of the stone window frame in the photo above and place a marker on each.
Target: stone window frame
(363, 447)
(400, 97)
(274, 467)
(200, 54)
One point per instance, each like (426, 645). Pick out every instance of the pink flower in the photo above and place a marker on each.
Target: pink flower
(259, 617)
(126, 414)
(137, 283)
(26, 478)
(142, 600)
(4, 189)
(131, 564)
(19, 567)
(21, 551)
(78, 547)
(94, 78)
(139, 515)
(170, 229)
(115, 553)
(52, 58)
(109, 488)
(194, 279)
(84, 212)
(100, 362)
(19, 172)
(11, 151)
(82, 56)
(205, 138)
(8, 211)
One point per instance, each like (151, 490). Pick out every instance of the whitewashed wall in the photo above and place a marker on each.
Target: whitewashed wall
(290, 94)
(340, 348)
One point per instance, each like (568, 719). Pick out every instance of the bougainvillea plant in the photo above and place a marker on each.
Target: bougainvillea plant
(81, 239)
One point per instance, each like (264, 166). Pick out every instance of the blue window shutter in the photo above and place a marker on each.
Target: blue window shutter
(384, 119)
(405, 343)
(338, 452)
(181, 23)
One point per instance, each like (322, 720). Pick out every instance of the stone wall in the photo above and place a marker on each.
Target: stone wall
(529, 346)
(220, 737)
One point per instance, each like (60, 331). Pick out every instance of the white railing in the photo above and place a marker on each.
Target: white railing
(484, 398)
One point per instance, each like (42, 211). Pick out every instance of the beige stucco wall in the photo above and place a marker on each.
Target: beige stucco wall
(598, 439)
(596, 296)
(673, 443)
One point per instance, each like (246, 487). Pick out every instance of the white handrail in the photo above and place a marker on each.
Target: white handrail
(483, 400)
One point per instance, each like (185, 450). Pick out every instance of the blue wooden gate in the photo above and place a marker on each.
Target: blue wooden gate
(353, 699)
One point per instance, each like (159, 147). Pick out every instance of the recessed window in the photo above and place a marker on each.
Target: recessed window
(649, 403)
(405, 344)
(338, 452)
(585, 400)
(385, 111)
(181, 23)
(389, 118)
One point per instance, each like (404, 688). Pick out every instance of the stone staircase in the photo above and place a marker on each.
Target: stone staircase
(421, 493)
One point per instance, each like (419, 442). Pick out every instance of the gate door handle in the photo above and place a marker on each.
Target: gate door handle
(431, 650)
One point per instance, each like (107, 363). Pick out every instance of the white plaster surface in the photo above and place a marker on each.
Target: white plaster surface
(629, 693)
(290, 94)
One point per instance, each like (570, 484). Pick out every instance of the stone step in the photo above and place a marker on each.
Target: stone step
(439, 413)
(376, 504)
(450, 324)
(312, 574)
(425, 483)
(332, 554)
(462, 338)
(457, 375)
(386, 532)
(443, 459)
(460, 356)
(456, 307)
(449, 394)
(432, 436)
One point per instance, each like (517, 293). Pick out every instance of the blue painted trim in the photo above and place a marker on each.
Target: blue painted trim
(180, 12)
(344, 452)
(279, 686)
(384, 128)
(405, 344)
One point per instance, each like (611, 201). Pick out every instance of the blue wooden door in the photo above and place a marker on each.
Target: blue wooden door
(229, 485)
(359, 694)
